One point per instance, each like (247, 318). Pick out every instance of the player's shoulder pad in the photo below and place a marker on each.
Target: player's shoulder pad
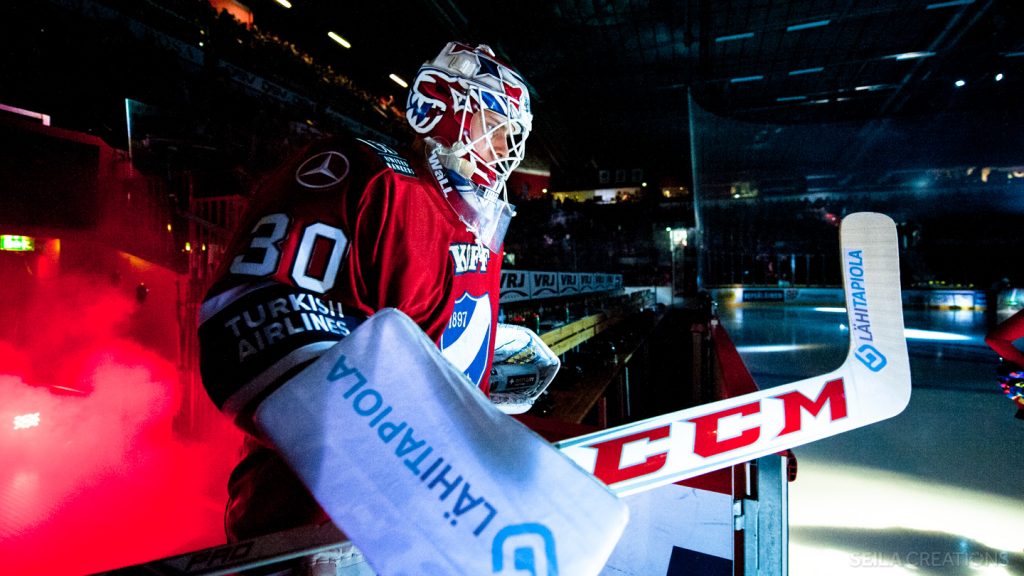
(391, 158)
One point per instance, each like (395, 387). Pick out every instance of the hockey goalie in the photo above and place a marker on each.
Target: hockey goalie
(351, 334)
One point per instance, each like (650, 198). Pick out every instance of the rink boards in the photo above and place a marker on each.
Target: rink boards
(912, 299)
(521, 285)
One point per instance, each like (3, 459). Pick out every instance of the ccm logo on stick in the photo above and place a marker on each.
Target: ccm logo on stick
(706, 443)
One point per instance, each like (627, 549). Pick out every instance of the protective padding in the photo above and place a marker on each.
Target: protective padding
(424, 474)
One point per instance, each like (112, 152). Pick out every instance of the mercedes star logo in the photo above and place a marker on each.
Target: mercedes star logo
(322, 170)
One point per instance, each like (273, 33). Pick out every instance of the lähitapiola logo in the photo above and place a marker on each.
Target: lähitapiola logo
(524, 547)
(871, 357)
(860, 319)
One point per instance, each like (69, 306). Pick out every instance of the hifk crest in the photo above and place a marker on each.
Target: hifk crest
(466, 341)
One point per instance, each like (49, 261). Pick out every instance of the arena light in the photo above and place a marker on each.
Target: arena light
(344, 43)
(732, 37)
(740, 79)
(872, 87)
(948, 4)
(806, 25)
(284, 3)
(913, 55)
(24, 421)
(12, 243)
(398, 80)
(803, 71)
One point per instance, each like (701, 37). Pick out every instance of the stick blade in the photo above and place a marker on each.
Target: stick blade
(878, 358)
(872, 384)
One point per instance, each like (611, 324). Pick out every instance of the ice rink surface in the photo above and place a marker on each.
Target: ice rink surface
(939, 489)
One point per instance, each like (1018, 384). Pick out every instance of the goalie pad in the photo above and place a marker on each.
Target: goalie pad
(424, 474)
(523, 368)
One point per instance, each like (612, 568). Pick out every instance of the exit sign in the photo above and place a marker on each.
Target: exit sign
(17, 243)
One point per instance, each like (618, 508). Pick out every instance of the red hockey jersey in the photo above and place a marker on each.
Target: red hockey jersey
(345, 228)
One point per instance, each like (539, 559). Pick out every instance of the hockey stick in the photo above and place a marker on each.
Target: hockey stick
(268, 551)
(871, 385)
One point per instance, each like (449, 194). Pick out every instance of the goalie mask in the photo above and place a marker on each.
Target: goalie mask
(474, 112)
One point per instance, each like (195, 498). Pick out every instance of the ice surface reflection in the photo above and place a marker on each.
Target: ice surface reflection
(935, 490)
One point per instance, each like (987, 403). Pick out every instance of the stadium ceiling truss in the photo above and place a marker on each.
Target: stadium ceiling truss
(613, 77)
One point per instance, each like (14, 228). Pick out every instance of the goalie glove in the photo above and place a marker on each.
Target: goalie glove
(523, 368)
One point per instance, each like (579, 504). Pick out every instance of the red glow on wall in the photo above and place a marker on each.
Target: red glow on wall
(239, 11)
(100, 480)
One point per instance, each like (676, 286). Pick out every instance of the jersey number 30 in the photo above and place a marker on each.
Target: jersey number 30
(263, 255)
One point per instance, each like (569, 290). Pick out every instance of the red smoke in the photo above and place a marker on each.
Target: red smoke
(102, 480)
